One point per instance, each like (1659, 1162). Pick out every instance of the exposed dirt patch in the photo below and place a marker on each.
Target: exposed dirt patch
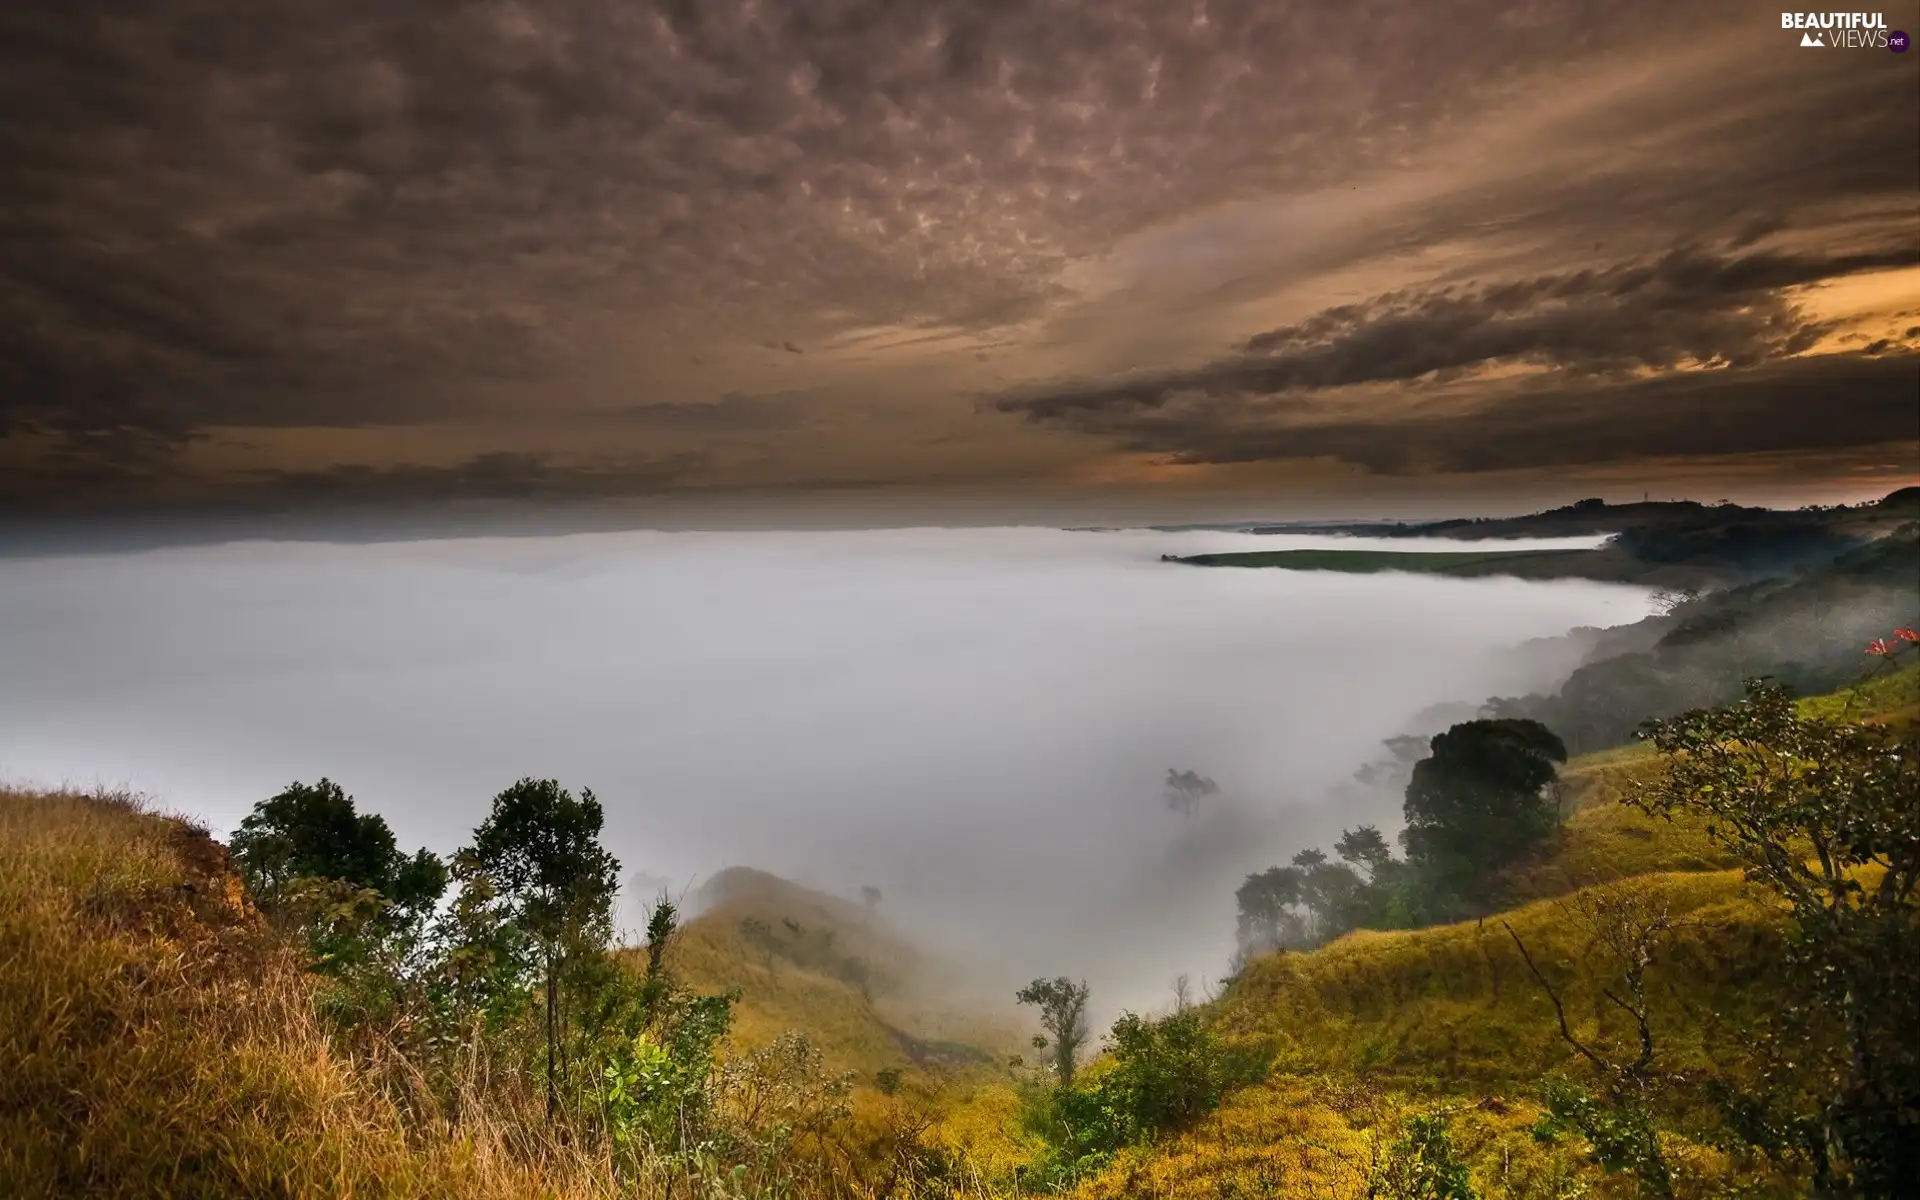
(927, 1053)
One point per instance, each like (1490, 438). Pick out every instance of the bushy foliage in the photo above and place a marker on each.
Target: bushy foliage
(1473, 806)
(1823, 814)
(1157, 1076)
(312, 831)
(1422, 1164)
(1477, 802)
(1308, 902)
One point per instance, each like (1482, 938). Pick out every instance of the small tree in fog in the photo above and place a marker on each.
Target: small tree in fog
(1063, 1014)
(1186, 789)
(870, 896)
(1268, 920)
(540, 849)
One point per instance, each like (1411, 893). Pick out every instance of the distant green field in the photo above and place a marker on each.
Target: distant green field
(1443, 562)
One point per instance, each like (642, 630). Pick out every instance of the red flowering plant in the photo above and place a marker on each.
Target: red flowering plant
(1885, 655)
(1893, 645)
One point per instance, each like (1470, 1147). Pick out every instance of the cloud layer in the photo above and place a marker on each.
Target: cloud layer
(229, 224)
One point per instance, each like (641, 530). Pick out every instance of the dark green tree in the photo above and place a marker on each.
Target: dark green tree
(1364, 847)
(1268, 903)
(540, 850)
(1063, 1014)
(1169, 1072)
(1478, 801)
(1826, 815)
(1329, 891)
(312, 831)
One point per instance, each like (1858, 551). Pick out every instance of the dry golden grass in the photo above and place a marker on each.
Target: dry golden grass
(915, 1016)
(1377, 1027)
(1605, 840)
(154, 1041)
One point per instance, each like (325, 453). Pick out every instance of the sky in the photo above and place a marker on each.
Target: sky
(1182, 256)
(978, 721)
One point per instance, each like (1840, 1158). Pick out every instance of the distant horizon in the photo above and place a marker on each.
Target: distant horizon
(28, 535)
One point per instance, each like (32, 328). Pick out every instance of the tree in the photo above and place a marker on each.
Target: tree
(1185, 789)
(312, 831)
(870, 896)
(1823, 814)
(1063, 1014)
(1328, 891)
(540, 849)
(1169, 1072)
(1479, 800)
(1268, 921)
(1366, 847)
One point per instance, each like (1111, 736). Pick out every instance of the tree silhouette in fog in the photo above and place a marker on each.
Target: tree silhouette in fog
(1478, 801)
(1185, 789)
(1063, 1014)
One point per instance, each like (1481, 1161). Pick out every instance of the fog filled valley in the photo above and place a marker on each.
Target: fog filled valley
(970, 862)
(977, 722)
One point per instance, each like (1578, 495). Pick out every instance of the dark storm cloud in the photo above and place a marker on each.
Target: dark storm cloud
(1807, 405)
(503, 475)
(1689, 306)
(276, 213)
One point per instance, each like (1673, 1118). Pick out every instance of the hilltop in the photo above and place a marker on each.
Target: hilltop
(1805, 629)
(1656, 520)
(862, 989)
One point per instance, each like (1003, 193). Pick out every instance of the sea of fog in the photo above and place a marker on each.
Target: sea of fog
(976, 721)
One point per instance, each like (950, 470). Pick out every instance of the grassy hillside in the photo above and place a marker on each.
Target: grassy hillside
(862, 991)
(156, 1042)
(158, 1038)
(1378, 1027)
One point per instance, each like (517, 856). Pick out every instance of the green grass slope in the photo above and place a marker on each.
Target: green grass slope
(1379, 1026)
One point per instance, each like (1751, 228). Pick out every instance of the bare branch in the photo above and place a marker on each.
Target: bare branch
(1559, 1010)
